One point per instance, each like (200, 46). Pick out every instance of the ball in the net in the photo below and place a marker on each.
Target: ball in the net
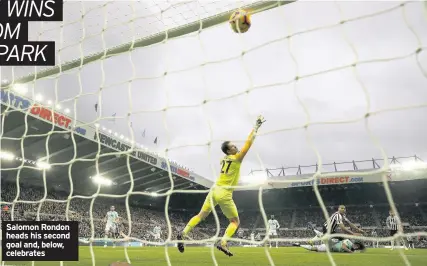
(240, 21)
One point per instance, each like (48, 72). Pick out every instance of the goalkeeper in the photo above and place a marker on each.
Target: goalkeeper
(222, 193)
(342, 246)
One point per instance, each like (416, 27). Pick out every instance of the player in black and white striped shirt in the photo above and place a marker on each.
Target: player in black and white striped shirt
(394, 225)
(336, 221)
(410, 242)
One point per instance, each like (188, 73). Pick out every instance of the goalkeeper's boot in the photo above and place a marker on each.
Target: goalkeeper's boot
(296, 244)
(222, 246)
(180, 244)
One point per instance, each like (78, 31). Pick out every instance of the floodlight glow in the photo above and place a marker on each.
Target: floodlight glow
(100, 180)
(409, 166)
(395, 166)
(43, 165)
(122, 137)
(259, 178)
(39, 97)
(97, 125)
(19, 88)
(115, 134)
(67, 110)
(49, 102)
(7, 155)
(58, 107)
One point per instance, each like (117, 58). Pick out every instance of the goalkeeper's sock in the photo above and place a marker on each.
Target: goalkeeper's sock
(191, 224)
(229, 232)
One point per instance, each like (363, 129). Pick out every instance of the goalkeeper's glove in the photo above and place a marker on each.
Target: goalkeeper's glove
(259, 122)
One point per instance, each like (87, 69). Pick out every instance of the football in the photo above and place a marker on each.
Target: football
(240, 21)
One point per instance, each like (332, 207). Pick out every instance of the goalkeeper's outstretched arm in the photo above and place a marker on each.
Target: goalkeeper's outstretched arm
(240, 155)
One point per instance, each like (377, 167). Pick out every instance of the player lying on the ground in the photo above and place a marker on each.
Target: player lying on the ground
(334, 222)
(345, 245)
(222, 192)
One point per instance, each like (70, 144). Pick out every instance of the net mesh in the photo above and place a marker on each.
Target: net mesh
(91, 27)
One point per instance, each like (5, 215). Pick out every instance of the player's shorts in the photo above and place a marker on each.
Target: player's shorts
(110, 227)
(272, 233)
(118, 231)
(223, 198)
(156, 236)
(393, 232)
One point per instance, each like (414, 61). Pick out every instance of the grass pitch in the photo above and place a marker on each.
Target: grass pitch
(200, 256)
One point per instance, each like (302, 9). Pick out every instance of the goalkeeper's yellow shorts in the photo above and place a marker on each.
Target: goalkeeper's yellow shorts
(223, 198)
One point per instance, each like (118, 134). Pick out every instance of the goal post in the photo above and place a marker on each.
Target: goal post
(159, 37)
(297, 67)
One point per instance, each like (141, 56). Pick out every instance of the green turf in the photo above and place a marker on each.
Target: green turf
(243, 256)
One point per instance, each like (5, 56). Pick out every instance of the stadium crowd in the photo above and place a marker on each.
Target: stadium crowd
(91, 214)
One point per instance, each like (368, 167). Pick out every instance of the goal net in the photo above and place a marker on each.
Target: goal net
(166, 82)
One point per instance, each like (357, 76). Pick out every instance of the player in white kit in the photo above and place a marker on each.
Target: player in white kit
(157, 231)
(273, 226)
(240, 235)
(374, 234)
(111, 220)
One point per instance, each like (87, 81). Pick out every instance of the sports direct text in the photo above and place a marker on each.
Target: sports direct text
(329, 181)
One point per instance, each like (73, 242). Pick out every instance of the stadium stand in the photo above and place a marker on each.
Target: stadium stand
(368, 214)
(294, 208)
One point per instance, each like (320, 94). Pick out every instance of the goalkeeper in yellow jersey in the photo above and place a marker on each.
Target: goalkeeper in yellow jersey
(222, 193)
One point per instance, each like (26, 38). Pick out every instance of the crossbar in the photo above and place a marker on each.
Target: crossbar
(149, 40)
